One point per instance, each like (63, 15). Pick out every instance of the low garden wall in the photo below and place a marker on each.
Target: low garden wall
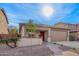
(3, 45)
(29, 42)
(11, 38)
(8, 40)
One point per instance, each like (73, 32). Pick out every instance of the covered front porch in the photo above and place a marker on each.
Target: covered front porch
(42, 32)
(42, 35)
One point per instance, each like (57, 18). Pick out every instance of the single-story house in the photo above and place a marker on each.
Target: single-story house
(58, 32)
(47, 33)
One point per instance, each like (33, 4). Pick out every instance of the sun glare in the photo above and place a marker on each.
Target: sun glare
(47, 11)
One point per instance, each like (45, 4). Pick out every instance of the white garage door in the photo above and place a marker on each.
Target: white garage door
(59, 35)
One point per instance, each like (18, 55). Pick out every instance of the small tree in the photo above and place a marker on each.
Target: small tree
(30, 28)
(13, 31)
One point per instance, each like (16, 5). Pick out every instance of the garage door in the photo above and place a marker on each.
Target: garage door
(59, 35)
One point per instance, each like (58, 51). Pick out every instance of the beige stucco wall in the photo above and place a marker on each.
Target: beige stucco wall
(29, 42)
(22, 31)
(59, 35)
(72, 26)
(46, 36)
(23, 34)
(3, 24)
(43, 28)
(66, 26)
(61, 25)
(78, 27)
(54, 35)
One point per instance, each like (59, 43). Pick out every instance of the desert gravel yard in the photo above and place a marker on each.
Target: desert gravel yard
(39, 50)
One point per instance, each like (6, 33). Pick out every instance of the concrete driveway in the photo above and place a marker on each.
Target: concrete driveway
(46, 49)
(38, 50)
(72, 44)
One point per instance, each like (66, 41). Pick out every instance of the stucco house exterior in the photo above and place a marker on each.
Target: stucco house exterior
(3, 22)
(47, 33)
(73, 29)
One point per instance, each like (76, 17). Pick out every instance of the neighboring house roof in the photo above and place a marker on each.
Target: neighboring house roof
(66, 23)
(72, 30)
(60, 28)
(4, 14)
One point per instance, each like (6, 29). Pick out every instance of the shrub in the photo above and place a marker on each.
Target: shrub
(9, 40)
(3, 40)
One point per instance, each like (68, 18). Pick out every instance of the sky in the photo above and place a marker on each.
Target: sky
(22, 12)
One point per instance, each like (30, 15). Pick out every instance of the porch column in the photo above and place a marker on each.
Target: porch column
(68, 36)
(49, 35)
(23, 32)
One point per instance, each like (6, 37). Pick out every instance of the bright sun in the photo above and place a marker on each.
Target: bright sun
(47, 11)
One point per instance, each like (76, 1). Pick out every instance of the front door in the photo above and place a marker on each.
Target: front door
(42, 33)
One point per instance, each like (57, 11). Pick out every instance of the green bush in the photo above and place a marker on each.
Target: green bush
(3, 40)
(8, 40)
(12, 40)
